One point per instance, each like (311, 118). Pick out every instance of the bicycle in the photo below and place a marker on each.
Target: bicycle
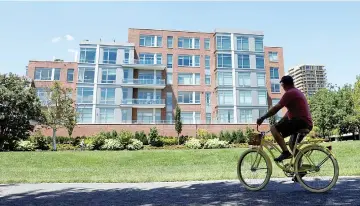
(295, 166)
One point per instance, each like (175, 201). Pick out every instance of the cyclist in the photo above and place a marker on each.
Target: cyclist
(297, 117)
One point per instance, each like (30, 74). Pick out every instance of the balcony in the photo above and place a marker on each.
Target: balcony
(144, 83)
(144, 64)
(143, 103)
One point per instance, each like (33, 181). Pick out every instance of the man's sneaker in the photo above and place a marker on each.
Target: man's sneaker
(284, 155)
(301, 176)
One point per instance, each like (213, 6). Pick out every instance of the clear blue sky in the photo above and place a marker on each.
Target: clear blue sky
(325, 33)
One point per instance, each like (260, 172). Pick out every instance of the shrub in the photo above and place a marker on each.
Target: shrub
(226, 136)
(154, 138)
(240, 137)
(135, 145)
(169, 141)
(39, 141)
(95, 142)
(249, 132)
(193, 144)
(216, 144)
(183, 139)
(269, 138)
(25, 146)
(76, 141)
(125, 137)
(112, 144)
(142, 137)
(64, 147)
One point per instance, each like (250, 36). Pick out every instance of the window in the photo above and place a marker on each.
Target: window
(124, 113)
(124, 93)
(244, 79)
(197, 78)
(86, 75)
(185, 79)
(207, 79)
(85, 95)
(126, 56)
(207, 62)
(208, 118)
(197, 97)
(43, 95)
(187, 117)
(85, 115)
(197, 118)
(169, 78)
(225, 98)
(169, 117)
(149, 41)
(107, 115)
(145, 116)
(246, 116)
(169, 61)
(207, 44)
(107, 96)
(260, 80)
(146, 58)
(87, 55)
(168, 99)
(109, 56)
(224, 79)
(188, 61)
(275, 101)
(245, 98)
(159, 41)
(274, 73)
(273, 56)
(108, 75)
(126, 73)
(70, 75)
(224, 61)
(262, 97)
(242, 43)
(189, 43)
(197, 61)
(208, 98)
(243, 61)
(223, 43)
(57, 74)
(259, 62)
(158, 58)
(43, 73)
(187, 97)
(259, 44)
(275, 88)
(226, 116)
(197, 43)
(170, 40)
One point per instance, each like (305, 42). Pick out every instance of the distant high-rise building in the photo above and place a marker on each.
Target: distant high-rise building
(309, 78)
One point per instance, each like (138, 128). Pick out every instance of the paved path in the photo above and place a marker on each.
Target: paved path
(277, 192)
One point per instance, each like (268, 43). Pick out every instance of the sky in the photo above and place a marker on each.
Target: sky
(325, 33)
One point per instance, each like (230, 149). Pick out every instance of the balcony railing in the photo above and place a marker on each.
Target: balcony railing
(143, 101)
(159, 82)
(144, 61)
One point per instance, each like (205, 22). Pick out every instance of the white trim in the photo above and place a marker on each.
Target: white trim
(95, 83)
(233, 75)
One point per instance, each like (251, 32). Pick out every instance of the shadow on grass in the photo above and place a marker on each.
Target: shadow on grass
(276, 193)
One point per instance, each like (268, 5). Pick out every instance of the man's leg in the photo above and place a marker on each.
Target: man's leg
(278, 138)
(279, 131)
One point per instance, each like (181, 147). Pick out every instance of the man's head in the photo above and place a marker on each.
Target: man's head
(287, 82)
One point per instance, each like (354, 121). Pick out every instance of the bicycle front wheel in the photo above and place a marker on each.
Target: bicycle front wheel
(254, 169)
(316, 169)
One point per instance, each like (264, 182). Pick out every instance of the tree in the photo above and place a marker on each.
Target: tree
(59, 110)
(178, 123)
(19, 107)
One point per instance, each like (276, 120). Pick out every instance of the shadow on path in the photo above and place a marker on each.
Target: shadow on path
(346, 192)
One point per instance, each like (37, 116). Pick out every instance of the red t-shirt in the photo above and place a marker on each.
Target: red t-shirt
(295, 101)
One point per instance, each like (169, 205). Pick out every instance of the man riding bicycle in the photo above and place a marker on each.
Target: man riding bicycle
(296, 118)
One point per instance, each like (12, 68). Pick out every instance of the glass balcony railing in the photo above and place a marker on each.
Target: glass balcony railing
(143, 101)
(145, 61)
(159, 82)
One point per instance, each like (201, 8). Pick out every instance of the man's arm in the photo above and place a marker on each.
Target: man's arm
(272, 111)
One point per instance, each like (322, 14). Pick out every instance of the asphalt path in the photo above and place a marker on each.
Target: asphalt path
(277, 192)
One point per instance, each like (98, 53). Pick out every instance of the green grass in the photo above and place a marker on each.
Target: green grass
(142, 166)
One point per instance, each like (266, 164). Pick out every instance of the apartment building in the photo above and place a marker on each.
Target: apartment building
(309, 78)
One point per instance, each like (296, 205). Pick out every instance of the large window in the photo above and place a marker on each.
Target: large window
(262, 97)
(274, 73)
(107, 115)
(260, 79)
(86, 75)
(245, 97)
(45, 74)
(242, 43)
(158, 58)
(259, 62)
(244, 79)
(70, 75)
(109, 56)
(275, 88)
(224, 61)
(226, 116)
(197, 61)
(124, 118)
(87, 55)
(185, 79)
(107, 96)
(223, 43)
(57, 74)
(187, 117)
(85, 95)
(108, 75)
(246, 116)
(243, 61)
(224, 79)
(188, 43)
(147, 58)
(259, 44)
(169, 61)
(43, 94)
(145, 116)
(207, 44)
(84, 115)
(207, 62)
(149, 41)
(273, 56)
(188, 61)
(170, 41)
(187, 97)
(225, 98)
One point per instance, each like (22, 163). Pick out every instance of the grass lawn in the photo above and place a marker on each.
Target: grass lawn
(142, 166)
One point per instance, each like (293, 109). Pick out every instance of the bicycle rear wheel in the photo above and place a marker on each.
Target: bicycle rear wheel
(316, 169)
(254, 169)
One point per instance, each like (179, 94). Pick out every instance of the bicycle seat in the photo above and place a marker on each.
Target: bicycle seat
(303, 131)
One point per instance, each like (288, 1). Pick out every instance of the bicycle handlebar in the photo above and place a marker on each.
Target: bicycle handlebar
(257, 128)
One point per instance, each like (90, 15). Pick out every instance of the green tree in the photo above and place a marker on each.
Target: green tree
(59, 111)
(19, 107)
(178, 123)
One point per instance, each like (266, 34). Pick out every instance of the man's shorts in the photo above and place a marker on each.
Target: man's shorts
(287, 127)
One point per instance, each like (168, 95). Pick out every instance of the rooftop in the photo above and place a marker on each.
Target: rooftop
(114, 43)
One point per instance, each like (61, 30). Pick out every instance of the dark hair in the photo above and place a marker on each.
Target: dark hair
(287, 80)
